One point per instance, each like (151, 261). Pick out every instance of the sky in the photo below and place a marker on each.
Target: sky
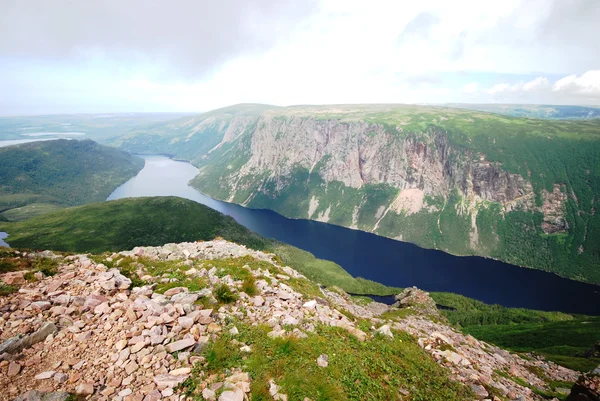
(96, 56)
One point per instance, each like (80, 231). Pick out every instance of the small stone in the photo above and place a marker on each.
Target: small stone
(85, 389)
(234, 331)
(173, 291)
(154, 395)
(185, 322)
(137, 347)
(259, 301)
(386, 331)
(208, 394)
(121, 344)
(480, 391)
(41, 305)
(284, 295)
(83, 337)
(323, 361)
(232, 395)
(310, 304)
(165, 380)
(125, 392)
(180, 371)
(13, 369)
(60, 378)
(108, 391)
(45, 375)
(179, 345)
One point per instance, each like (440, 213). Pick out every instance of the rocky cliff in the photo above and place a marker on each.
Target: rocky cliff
(216, 320)
(519, 190)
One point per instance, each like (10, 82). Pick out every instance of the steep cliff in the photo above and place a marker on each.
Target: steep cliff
(520, 190)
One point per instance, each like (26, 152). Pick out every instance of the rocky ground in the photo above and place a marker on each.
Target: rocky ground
(118, 329)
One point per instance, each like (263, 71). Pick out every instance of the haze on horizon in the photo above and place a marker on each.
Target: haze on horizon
(59, 56)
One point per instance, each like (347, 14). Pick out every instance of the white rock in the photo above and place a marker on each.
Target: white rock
(323, 361)
(45, 375)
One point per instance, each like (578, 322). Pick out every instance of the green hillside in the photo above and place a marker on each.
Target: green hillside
(40, 177)
(126, 223)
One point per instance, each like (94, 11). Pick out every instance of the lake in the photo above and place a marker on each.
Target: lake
(377, 258)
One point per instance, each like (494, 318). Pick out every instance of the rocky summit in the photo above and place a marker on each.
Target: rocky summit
(218, 321)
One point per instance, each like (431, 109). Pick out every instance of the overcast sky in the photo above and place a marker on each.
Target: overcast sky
(73, 56)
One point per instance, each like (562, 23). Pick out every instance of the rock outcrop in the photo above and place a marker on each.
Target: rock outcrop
(87, 331)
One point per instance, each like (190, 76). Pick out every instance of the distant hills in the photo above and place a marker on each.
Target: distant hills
(41, 177)
(535, 111)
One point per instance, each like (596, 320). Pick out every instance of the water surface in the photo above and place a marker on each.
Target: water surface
(377, 258)
(2, 236)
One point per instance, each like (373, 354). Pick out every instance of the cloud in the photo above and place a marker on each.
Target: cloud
(588, 84)
(419, 26)
(188, 37)
(471, 88)
(571, 89)
(153, 55)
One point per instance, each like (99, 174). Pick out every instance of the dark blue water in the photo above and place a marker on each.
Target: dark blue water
(381, 259)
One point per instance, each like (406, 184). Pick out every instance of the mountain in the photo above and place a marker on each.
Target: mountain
(524, 191)
(40, 177)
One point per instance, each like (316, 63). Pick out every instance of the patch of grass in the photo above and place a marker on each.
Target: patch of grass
(192, 284)
(373, 370)
(223, 294)
(397, 314)
(6, 289)
(249, 286)
(29, 211)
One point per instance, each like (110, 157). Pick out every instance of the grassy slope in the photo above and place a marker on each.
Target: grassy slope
(560, 337)
(60, 173)
(126, 223)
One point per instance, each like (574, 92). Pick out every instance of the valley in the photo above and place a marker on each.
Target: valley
(519, 305)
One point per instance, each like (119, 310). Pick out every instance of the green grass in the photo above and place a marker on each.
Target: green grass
(29, 211)
(372, 370)
(6, 289)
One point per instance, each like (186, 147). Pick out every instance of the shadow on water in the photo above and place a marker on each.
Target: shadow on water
(377, 258)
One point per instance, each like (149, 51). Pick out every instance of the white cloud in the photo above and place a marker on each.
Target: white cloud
(571, 89)
(585, 84)
(196, 56)
(471, 88)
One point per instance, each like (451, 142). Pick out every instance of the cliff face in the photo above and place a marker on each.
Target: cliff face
(453, 180)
